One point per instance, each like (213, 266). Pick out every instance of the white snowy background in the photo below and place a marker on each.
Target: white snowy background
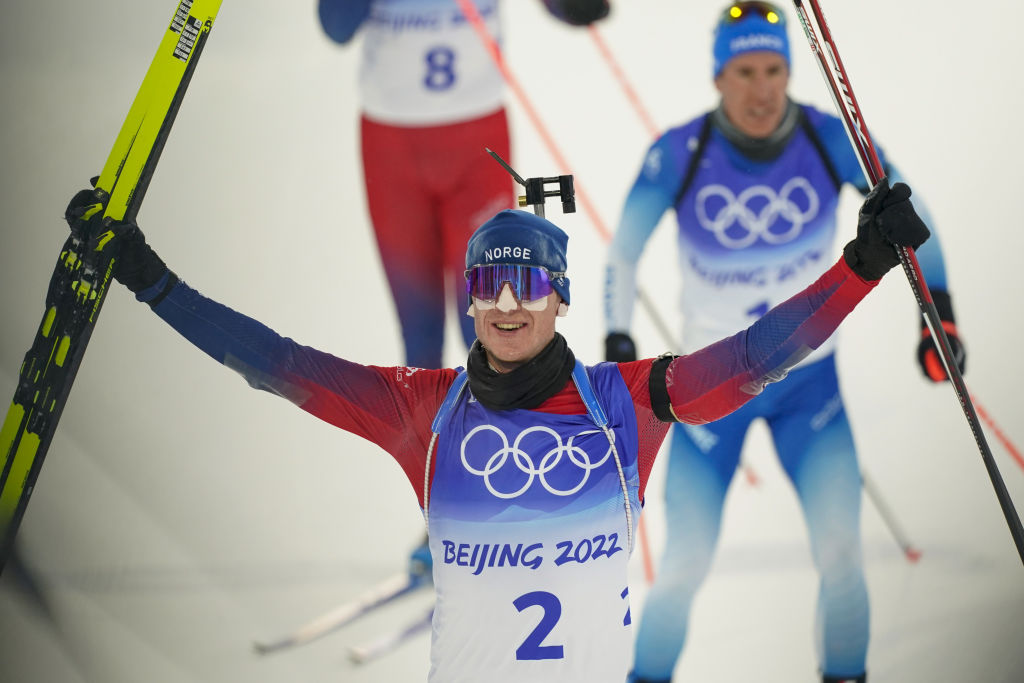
(180, 515)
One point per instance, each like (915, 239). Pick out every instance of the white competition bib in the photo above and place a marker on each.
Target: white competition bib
(424, 64)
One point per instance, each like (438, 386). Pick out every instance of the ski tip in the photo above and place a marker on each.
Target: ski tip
(358, 655)
(913, 554)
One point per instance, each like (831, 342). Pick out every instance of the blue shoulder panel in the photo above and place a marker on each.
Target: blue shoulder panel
(450, 399)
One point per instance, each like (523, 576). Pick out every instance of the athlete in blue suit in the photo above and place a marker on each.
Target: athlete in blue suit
(755, 184)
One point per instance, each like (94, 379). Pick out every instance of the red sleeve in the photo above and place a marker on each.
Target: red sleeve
(392, 407)
(716, 380)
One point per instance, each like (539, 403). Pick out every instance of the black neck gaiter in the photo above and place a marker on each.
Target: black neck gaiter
(527, 386)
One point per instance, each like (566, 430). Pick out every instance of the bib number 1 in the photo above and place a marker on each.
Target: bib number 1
(757, 312)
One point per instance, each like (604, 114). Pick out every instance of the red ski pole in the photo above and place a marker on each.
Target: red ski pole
(624, 82)
(827, 55)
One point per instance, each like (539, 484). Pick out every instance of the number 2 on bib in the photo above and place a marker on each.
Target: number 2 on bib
(440, 63)
(531, 648)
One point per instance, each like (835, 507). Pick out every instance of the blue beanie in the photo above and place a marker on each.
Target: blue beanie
(523, 239)
(750, 33)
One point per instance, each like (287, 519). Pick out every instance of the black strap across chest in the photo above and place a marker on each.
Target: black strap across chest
(705, 134)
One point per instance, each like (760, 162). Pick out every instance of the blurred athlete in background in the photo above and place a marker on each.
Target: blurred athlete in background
(755, 184)
(432, 100)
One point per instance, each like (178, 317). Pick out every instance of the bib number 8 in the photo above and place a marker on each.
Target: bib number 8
(440, 68)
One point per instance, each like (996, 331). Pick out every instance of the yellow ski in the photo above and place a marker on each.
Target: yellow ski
(79, 283)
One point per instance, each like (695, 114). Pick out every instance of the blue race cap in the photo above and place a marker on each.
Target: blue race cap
(521, 238)
(749, 27)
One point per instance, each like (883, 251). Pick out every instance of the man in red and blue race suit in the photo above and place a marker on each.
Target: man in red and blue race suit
(529, 467)
(431, 100)
(755, 186)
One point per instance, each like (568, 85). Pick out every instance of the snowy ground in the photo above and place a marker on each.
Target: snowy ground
(180, 516)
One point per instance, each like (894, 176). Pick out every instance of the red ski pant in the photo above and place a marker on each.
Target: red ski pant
(428, 188)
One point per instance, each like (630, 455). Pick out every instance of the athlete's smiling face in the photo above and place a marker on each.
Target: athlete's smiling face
(511, 333)
(753, 87)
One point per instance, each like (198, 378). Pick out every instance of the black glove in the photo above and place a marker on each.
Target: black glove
(136, 265)
(887, 220)
(578, 12)
(83, 207)
(928, 354)
(619, 348)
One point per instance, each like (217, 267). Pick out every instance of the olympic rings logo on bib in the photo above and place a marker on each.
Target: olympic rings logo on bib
(737, 212)
(524, 463)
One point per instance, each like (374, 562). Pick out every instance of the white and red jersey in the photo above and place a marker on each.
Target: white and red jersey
(424, 64)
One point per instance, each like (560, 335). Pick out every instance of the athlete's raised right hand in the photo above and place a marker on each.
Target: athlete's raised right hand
(136, 265)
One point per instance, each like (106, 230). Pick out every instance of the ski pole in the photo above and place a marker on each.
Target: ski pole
(473, 16)
(909, 551)
(389, 642)
(624, 83)
(384, 593)
(1003, 439)
(838, 83)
